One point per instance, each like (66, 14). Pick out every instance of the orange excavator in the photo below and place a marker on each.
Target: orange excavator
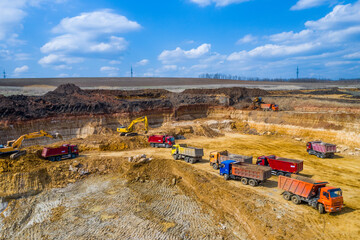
(13, 147)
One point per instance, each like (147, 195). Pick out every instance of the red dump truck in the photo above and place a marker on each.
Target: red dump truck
(281, 166)
(161, 141)
(59, 153)
(248, 173)
(216, 157)
(302, 189)
(321, 149)
(269, 107)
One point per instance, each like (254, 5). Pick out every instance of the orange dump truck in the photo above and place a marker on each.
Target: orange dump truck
(302, 189)
(217, 157)
(269, 107)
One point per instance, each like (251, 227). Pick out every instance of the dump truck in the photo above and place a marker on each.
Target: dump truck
(269, 107)
(216, 157)
(189, 154)
(281, 166)
(302, 189)
(321, 149)
(248, 173)
(161, 141)
(63, 152)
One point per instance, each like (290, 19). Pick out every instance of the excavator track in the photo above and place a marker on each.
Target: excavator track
(17, 154)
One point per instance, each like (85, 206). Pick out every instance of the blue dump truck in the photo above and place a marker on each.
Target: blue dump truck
(247, 173)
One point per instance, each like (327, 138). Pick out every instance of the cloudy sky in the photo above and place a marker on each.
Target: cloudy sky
(250, 38)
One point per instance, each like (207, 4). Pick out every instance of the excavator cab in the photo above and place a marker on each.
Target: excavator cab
(130, 130)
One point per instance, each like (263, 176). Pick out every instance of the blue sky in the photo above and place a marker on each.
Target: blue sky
(180, 38)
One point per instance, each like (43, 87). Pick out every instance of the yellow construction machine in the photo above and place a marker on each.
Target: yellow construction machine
(130, 130)
(13, 147)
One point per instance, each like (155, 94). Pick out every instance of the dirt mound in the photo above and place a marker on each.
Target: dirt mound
(66, 89)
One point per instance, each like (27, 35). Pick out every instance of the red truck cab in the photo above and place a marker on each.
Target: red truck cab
(161, 141)
(281, 166)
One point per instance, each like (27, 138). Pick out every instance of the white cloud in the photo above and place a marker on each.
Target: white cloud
(218, 3)
(115, 62)
(90, 33)
(305, 4)
(58, 58)
(342, 16)
(142, 62)
(247, 39)
(22, 69)
(168, 56)
(107, 68)
(355, 55)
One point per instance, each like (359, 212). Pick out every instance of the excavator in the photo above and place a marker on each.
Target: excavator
(13, 147)
(257, 102)
(130, 130)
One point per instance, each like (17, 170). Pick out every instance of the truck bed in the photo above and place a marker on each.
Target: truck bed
(251, 171)
(302, 186)
(191, 151)
(236, 157)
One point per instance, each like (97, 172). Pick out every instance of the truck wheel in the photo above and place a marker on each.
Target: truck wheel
(192, 160)
(186, 159)
(295, 199)
(321, 208)
(252, 182)
(322, 155)
(58, 158)
(73, 155)
(215, 166)
(288, 175)
(280, 173)
(244, 181)
(151, 145)
(52, 159)
(226, 177)
(287, 196)
(174, 156)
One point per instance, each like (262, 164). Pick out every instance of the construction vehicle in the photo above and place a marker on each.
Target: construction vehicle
(248, 173)
(189, 154)
(161, 141)
(269, 107)
(281, 166)
(216, 157)
(302, 189)
(321, 149)
(57, 154)
(130, 130)
(13, 147)
(256, 102)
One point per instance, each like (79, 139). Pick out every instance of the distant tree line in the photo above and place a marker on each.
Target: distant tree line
(241, 78)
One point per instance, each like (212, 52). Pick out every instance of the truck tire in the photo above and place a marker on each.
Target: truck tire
(288, 175)
(321, 208)
(152, 145)
(252, 182)
(287, 196)
(244, 181)
(215, 166)
(186, 159)
(52, 159)
(280, 173)
(73, 155)
(174, 156)
(58, 158)
(322, 155)
(226, 177)
(296, 199)
(192, 160)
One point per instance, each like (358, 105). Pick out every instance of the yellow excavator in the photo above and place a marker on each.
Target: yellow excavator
(13, 147)
(130, 130)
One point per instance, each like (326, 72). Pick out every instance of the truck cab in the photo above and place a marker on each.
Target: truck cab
(169, 140)
(263, 161)
(331, 198)
(215, 158)
(225, 167)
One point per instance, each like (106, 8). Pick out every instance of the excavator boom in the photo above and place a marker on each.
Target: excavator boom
(130, 129)
(15, 145)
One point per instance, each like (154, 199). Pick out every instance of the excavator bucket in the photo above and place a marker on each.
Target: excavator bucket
(57, 135)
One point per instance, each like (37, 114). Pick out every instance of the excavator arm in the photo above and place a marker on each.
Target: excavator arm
(130, 128)
(15, 145)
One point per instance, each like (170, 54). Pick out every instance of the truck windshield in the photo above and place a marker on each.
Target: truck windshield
(172, 140)
(335, 193)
